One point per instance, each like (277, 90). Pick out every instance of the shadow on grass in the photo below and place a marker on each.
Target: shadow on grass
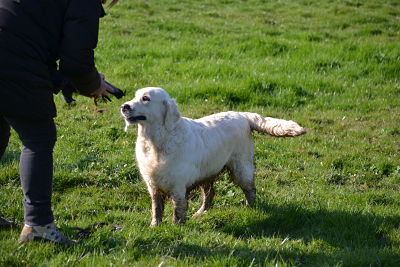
(326, 235)
(9, 157)
(340, 229)
(9, 164)
(315, 237)
(63, 182)
(230, 255)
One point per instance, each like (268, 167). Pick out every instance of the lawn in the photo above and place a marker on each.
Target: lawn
(328, 198)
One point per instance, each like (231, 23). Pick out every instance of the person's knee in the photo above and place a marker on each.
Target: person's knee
(36, 136)
(38, 146)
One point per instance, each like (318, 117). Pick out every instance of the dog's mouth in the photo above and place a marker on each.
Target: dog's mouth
(133, 119)
(127, 112)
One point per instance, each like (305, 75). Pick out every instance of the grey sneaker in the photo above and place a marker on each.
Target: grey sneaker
(47, 233)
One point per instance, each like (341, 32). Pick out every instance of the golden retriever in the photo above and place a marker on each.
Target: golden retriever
(176, 154)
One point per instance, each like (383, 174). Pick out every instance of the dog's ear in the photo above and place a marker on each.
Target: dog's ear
(171, 115)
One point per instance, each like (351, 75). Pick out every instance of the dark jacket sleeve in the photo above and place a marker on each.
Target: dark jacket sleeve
(79, 39)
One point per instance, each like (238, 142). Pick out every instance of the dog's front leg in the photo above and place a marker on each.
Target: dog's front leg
(180, 205)
(157, 207)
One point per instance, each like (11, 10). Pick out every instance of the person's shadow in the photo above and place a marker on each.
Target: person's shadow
(9, 157)
(10, 173)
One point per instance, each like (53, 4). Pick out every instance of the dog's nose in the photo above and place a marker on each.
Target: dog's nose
(125, 107)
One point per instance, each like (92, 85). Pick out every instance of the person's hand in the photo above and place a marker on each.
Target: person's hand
(103, 92)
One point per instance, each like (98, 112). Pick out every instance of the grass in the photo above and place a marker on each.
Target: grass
(329, 198)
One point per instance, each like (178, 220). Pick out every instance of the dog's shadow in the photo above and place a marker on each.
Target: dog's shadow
(329, 235)
(338, 228)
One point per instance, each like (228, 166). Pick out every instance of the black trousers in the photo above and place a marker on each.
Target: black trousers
(36, 165)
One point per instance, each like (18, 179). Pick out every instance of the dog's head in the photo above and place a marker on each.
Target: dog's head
(151, 105)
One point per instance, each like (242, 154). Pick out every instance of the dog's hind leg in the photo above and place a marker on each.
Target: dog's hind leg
(208, 195)
(242, 171)
(180, 206)
(157, 206)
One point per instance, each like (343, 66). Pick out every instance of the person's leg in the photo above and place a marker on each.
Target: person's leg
(36, 171)
(36, 168)
(4, 135)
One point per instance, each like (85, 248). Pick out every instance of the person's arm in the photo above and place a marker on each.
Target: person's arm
(79, 39)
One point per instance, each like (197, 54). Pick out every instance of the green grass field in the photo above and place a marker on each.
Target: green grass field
(328, 198)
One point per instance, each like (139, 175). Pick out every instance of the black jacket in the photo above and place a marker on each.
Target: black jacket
(34, 34)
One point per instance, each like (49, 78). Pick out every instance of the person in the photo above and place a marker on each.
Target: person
(34, 36)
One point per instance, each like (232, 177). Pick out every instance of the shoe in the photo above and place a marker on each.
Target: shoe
(46, 233)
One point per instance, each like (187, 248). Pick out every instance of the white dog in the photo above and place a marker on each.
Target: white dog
(176, 154)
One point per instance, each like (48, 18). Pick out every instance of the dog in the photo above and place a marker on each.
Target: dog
(176, 154)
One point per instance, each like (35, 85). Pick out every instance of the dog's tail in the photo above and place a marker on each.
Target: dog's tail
(272, 126)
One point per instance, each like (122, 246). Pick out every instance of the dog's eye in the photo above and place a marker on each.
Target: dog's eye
(145, 98)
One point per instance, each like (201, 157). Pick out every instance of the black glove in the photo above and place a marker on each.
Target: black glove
(60, 83)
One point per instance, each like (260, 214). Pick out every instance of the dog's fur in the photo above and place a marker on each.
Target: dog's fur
(176, 154)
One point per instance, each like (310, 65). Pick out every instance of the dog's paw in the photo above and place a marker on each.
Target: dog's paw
(154, 224)
(126, 126)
